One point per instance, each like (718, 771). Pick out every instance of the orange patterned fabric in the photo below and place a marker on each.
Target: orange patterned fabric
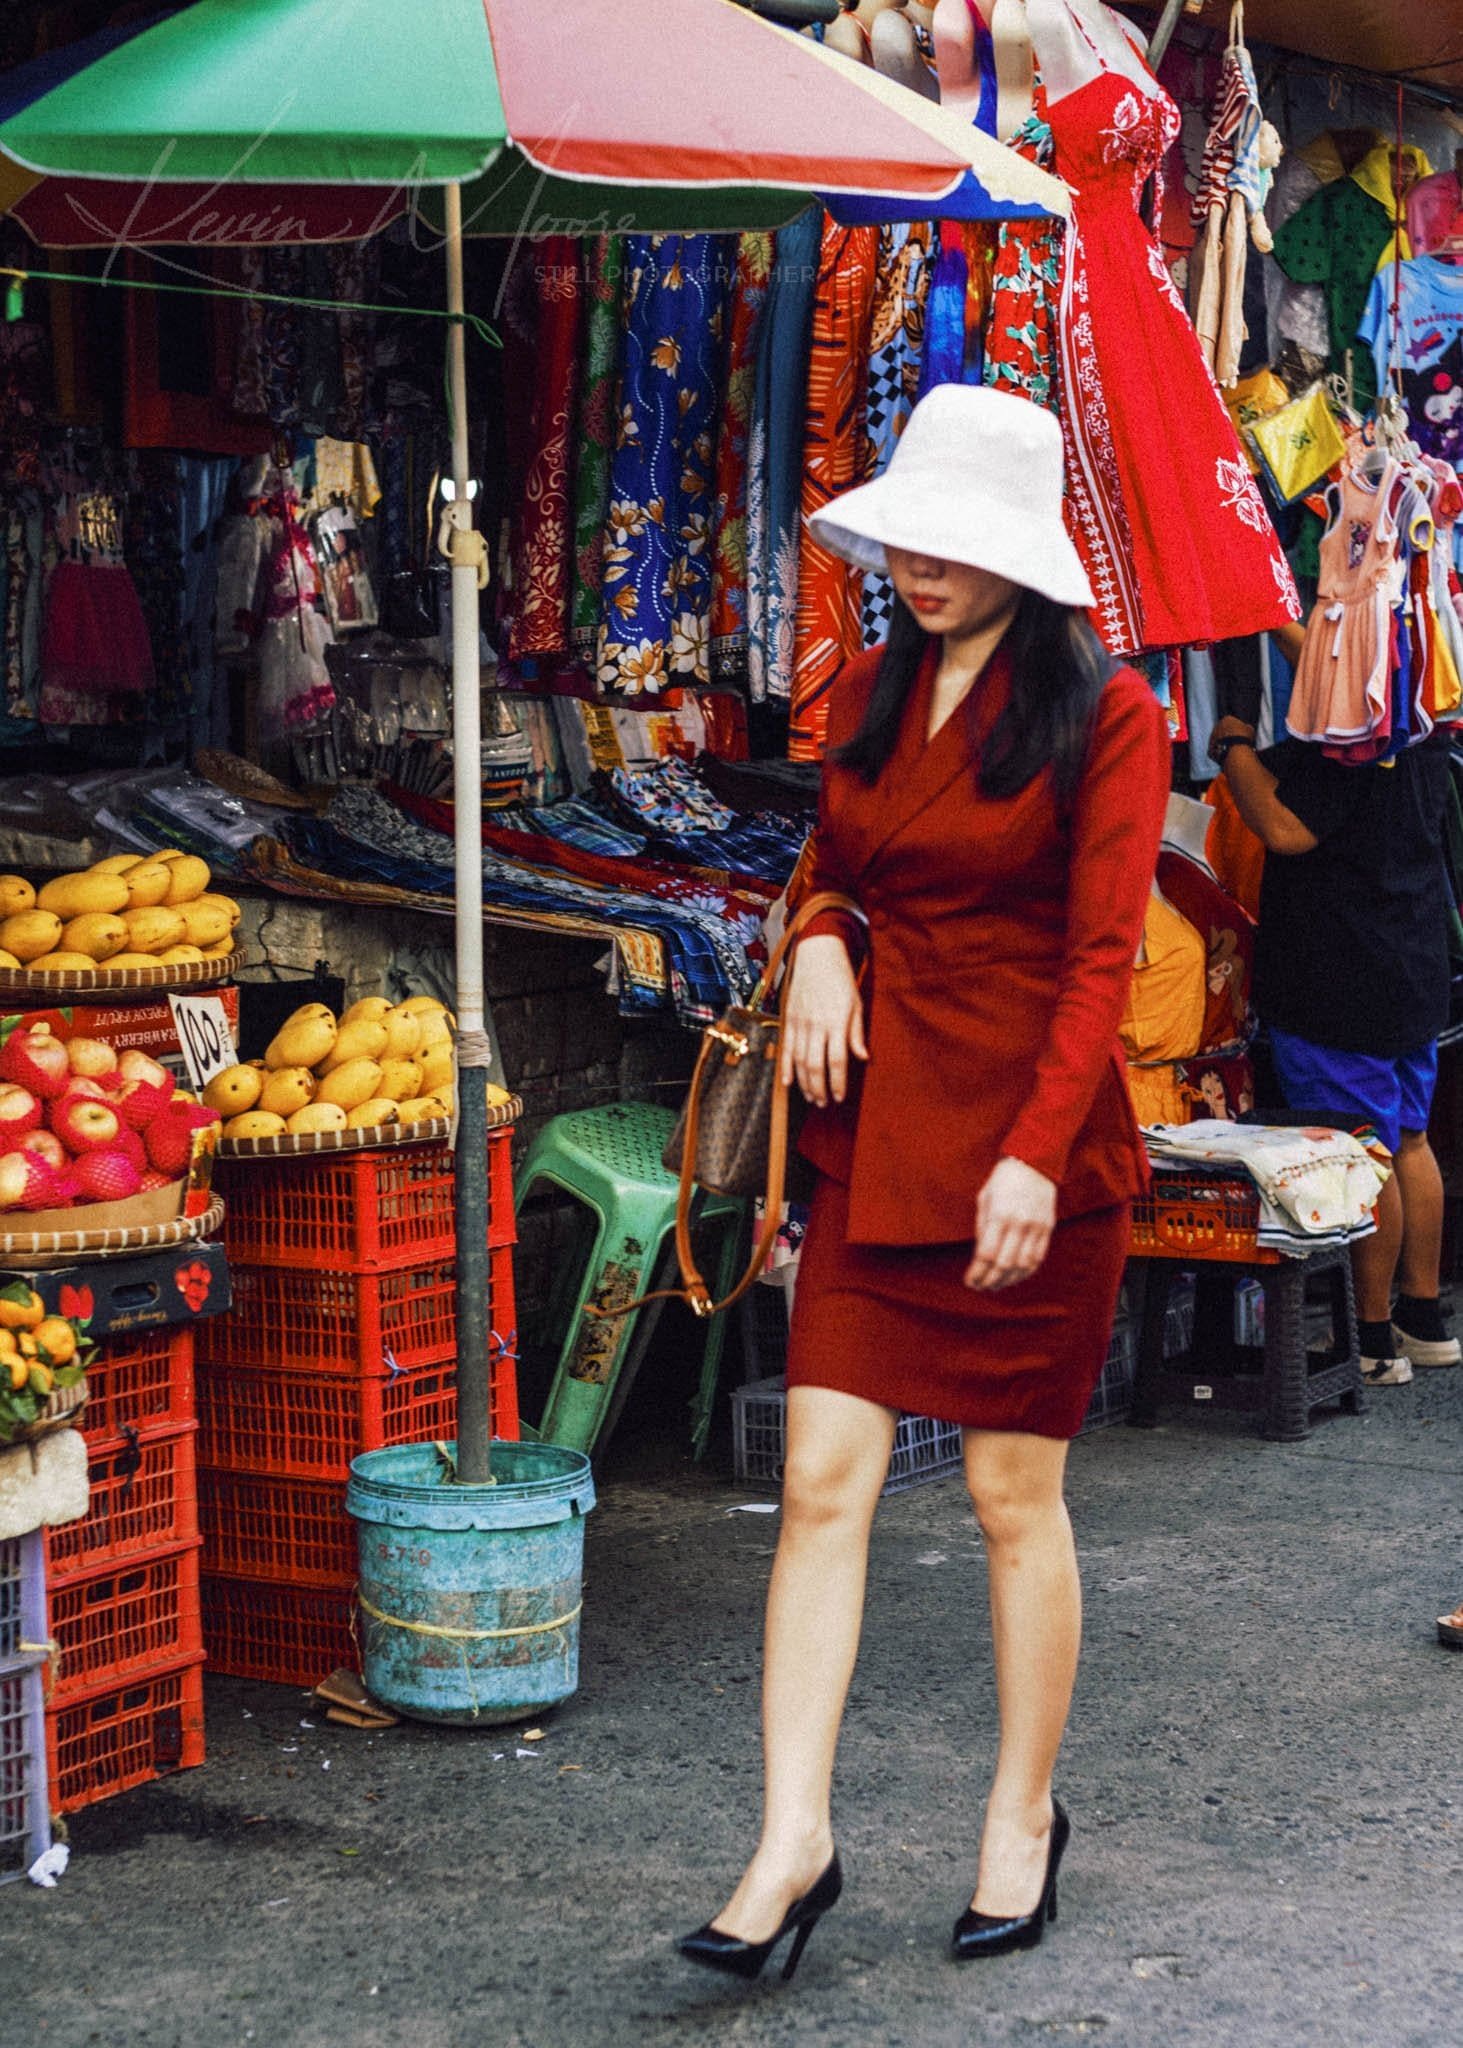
(829, 624)
(729, 556)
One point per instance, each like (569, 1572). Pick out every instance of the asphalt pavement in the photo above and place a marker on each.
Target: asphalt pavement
(1262, 1772)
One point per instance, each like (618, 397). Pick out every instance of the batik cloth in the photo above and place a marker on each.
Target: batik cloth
(604, 263)
(775, 464)
(1026, 286)
(544, 542)
(829, 624)
(733, 450)
(655, 611)
(895, 347)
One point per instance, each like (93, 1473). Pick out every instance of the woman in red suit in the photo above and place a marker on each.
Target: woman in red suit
(992, 799)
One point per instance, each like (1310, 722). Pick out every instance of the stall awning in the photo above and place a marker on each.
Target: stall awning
(1418, 39)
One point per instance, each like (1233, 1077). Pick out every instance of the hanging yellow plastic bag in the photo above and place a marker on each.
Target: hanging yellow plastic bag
(1298, 444)
(1252, 399)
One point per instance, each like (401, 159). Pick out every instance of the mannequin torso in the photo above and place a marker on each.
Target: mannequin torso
(1076, 40)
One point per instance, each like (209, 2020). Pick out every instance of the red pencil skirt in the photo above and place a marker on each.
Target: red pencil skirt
(896, 1324)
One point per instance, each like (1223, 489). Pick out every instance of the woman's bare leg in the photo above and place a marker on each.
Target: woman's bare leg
(1036, 1625)
(837, 1460)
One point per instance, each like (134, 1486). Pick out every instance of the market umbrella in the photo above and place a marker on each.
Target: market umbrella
(639, 97)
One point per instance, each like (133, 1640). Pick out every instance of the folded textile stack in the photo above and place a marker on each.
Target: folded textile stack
(1317, 1187)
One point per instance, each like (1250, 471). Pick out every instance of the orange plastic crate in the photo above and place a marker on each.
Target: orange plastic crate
(309, 1425)
(362, 1212)
(139, 1383)
(127, 1622)
(1191, 1216)
(289, 1531)
(337, 1322)
(124, 1736)
(283, 1635)
(144, 1498)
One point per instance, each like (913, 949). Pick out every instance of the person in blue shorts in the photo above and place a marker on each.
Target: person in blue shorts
(1352, 982)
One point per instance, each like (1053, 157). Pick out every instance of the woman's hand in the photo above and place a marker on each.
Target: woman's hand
(1014, 1219)
(822, 1021)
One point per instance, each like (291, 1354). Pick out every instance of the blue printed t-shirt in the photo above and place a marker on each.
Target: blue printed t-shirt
(1430, 352)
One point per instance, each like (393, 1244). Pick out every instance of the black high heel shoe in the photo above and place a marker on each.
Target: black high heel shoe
(716, 1951)
(996, 1934)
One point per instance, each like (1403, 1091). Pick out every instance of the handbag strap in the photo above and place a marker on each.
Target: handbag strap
(693, 1289)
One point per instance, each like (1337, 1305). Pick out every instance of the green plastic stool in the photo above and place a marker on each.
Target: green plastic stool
(610, 1160)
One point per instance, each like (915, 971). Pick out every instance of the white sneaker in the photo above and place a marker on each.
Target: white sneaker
(1386, 1372)
(1427, 1350)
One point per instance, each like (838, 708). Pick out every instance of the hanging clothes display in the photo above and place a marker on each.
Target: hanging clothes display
(1233, 184)
(543, 559)
(1170, 525)
(1433, 206)
(829, 628)
(1026, 283)
(895, 344)
(96, 658)
(1339, 240)
(774, 486)
(599, 380)
(1413, 324)
(656, 602)
(729, 623)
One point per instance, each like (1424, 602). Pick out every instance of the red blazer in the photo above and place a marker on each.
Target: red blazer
(1002, 937)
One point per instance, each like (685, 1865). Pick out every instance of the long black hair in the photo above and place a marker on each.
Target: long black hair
(1058, 671)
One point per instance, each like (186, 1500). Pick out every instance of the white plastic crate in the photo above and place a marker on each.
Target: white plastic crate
(922, 1449)
(25, 1818)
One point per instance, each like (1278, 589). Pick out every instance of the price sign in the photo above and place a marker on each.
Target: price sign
(205, 1036)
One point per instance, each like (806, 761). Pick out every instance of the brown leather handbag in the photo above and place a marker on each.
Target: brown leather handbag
(732, 1136)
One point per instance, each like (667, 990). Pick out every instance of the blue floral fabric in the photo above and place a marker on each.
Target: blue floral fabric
(655, 609)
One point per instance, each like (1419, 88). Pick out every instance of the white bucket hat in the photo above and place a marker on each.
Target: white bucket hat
(976, 477)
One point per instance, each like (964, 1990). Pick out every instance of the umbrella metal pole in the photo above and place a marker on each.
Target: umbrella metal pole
(1162, 36)
(465, 551)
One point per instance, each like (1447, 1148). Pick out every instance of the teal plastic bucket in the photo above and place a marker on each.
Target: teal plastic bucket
(470, 1595)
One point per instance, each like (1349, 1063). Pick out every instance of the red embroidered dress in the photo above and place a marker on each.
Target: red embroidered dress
(1160, 501)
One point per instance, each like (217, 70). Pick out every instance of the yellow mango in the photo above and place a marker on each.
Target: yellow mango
(234, 1091)
(316, 1116)
(403, 1033)
(16, 894)
(148, 883)
(73, 895)
(437, 1068)
(8, 960)
(356, 1082)
(436, 1029)
(168, 853)
(133, 960)
(177, 956)
(224, 950)
(362, 1040)
(301, 1042)
(155, 929)
(287, 1089)
(30, 933)
(498, 1097)
(370, 1010)
(400, 1079)
(370, 1116)
(119, 863)
(422, 1109)
(205, 921)
(254, 1123)
(191, 876)
(424, 1006)
(96, 935)
(233, 910)
(63, 963)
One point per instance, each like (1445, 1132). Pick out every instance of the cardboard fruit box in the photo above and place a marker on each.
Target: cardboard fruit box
(113, 1297)
(146, 1027)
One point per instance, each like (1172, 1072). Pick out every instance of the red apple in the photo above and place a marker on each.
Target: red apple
(82, 1084)
(47, 1146)
(141, 1104)
(19, 1112)
(36, 1060)
(91, 1056)
(136, 1066)
(153, 1179)
(28, 1183)
(85, 1125)
(106, 1176)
